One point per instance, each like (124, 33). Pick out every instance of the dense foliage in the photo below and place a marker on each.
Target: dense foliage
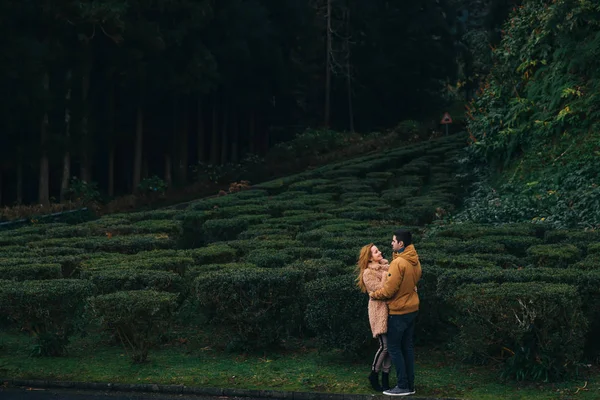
(117, 91)
(534, 125)
(274, 264)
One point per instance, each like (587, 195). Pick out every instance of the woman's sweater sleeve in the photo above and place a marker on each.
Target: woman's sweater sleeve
(371, 280)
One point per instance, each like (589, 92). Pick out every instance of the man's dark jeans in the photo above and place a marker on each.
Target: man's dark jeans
(401, 329)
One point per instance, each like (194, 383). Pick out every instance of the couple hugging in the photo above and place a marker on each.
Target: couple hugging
(393, 308)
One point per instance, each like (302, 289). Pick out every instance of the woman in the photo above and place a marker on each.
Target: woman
(372, 271)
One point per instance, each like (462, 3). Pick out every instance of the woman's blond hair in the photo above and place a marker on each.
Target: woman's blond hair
(363, 262)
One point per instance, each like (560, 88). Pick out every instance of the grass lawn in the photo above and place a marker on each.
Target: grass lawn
(299, 370)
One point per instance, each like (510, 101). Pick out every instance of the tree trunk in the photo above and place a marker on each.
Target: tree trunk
(66, 169)
(20, 180)
(85, 168)
(348, 72)
(139, 141)
(110, 133)
(145, 168)
(183, 145)
(200, 132)
(328, 67)
(224, 137)
(111, 171)
(44, 179)
(252, 133)
(234, 139)
(214, 143)
(168, 174)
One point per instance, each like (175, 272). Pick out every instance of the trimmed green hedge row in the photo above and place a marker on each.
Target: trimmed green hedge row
(276, 261)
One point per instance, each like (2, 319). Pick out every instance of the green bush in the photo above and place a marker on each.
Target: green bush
(336, 311)
(18, 240)
(319, 268)
(593, 248)
(253, 308)
(244, 247)
(169, 227)
(359, 213)
(214, 203)
(347, 256)
(49, 310)
(506, 261)
(516, 245)
(139, 318)
(591, 262)
(242, 210)
(263, 233)
(215, 230)
(457, 246)
(303, 253)
(308, 185)
(268, 258)
(313, 236)
(13, 250)
(114, 280)
(300, 219)
(116, 244)
(152, 260)
(341, 225)
(462, 261)
(73, 231)
(57, 251)
(192, 232)
(198, 270)
(575, 237)
(154, 215)
(278, 207)
(212, 254)
(23, 272)
(538, 329)
(554, 256)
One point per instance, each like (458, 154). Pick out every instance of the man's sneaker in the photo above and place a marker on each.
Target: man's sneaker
(412, 391)
(397, 392)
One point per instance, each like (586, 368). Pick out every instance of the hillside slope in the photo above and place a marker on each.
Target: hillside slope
(534, 127)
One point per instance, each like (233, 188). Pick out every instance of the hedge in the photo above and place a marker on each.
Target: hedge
(139, 318)
(252, 308)
(537, 329)
(336, 312)
(113, 280)
(48, 309)
(177, 263)
(117, 244)
(268, 258)
(198, 270)
(23, 272)
(554, 256)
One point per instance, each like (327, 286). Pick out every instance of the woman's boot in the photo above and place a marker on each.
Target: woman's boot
(374, 379)
(385, 380)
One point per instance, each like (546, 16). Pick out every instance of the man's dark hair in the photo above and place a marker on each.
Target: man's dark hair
(403, 235)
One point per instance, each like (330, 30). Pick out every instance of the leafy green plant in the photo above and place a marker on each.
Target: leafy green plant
(152, 185)
(49, 310)
(536, 329)
(535, 120)
(86, 192)
(138, 318)
(253, 307)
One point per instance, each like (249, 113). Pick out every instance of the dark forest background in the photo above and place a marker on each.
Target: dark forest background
(115, 91)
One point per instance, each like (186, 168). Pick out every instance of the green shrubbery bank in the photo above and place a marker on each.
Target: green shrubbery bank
(534, 125)
(275, 262)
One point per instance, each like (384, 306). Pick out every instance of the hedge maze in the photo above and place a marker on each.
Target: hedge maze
(276, 262)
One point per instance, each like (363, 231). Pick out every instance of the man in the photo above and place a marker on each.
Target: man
(403, 301)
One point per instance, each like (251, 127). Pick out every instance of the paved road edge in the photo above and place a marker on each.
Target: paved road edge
(182, 389)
